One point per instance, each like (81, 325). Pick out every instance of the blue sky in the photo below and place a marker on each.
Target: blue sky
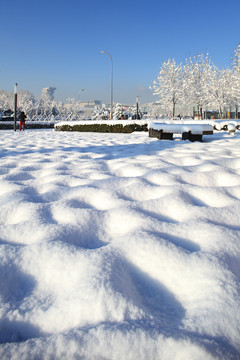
(58, 43)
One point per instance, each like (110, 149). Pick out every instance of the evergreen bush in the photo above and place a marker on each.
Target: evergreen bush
(103, 128)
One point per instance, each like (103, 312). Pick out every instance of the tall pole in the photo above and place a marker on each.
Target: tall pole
(15, 106)
(137, 116)
(111, 97)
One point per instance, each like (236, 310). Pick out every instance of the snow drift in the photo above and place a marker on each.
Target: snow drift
(119, 246)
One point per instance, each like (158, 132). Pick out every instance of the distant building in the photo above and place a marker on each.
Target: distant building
(90, 104)
(48, 93)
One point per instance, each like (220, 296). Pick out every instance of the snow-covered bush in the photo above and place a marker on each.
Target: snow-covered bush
(118, 111)
(231, 128)
(101, 112)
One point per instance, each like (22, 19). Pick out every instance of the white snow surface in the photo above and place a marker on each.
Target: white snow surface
(119, 246)
(180, 128)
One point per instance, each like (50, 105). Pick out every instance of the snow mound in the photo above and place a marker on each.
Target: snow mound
(119, 247)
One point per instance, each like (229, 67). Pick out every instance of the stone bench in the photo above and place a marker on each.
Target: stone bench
(192, 132)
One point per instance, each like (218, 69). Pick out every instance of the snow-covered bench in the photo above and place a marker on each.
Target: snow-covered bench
(192, 132)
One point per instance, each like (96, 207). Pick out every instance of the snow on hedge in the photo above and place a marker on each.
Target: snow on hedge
(107, 122)
(219, 124)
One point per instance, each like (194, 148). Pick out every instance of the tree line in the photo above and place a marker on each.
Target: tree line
(196, 84)
(41, 109)
(199, 83)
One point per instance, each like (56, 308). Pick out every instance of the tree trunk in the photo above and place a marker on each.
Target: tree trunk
(173, 110)
(220, 112)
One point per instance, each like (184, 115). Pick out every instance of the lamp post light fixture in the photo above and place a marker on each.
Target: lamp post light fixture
(111, 99)
(79, 96)
(15, 106)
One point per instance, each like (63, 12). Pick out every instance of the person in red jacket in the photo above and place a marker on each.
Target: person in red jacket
(22, 118)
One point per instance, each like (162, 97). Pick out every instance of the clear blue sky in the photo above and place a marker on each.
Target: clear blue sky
(58, 43)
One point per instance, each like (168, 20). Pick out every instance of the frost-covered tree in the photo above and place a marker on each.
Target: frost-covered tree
(236, 59)
(6, 100)
(236, 79)
(36, 109)
(152, 111)
(220, 90)
(48, 93)
(197, 73)
(168, 85)
(69, 110)
(26, 102)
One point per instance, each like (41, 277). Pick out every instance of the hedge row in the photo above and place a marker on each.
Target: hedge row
(103, 128)
(10, 126)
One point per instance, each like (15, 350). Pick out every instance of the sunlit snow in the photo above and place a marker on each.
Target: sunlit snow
(119, 246)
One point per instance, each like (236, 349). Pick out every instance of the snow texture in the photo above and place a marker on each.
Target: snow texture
(119, 246)
(180, 128)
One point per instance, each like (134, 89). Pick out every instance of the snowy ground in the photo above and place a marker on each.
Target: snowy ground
(119, 246)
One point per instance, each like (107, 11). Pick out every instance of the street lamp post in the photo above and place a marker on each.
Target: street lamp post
(111, 100)
(137, 116)
(15, 106)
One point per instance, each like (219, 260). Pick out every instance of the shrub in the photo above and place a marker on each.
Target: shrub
(103, 128)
